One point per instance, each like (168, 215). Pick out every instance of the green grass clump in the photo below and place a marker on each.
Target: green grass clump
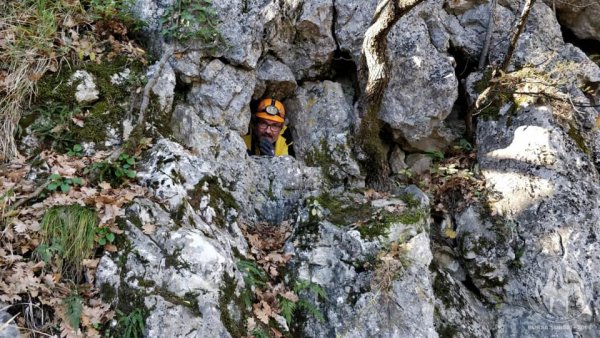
(71, 229)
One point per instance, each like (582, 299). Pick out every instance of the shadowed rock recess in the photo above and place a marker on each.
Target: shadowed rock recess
(522, 262)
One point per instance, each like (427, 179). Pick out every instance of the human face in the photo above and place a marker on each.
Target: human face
(267, 129)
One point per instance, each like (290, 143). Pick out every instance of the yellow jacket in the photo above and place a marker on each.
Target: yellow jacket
(281, 146)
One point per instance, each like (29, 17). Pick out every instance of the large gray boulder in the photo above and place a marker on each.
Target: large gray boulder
(222, 97)
(172, 270)
(423, 86)
(322, 119)
(375, 286)
(580, 16)
(299, 33)
(352, 20)
(240, 26)
(274, 79)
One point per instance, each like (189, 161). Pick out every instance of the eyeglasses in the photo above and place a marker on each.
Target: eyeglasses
(264, 126)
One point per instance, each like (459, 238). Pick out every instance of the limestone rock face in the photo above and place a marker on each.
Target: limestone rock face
(321, 121)
(548, 197)
(299, 33)
(223, 95)
(10, 330)
(581, 17)
(353, 19)
(176, 270)
(274, 79)
(423, 86)
(522, 259)
(336, 258)
(164, 89)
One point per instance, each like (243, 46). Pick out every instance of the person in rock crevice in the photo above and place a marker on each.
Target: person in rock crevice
(267, 129)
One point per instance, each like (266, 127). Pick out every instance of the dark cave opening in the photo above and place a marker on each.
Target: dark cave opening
(345, 71)
(588, 46)
(465, 65)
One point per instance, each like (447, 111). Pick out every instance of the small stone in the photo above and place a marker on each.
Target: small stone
(85, 91)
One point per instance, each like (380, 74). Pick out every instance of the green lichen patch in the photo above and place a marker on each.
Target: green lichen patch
(220, 200)
(321, 157)
(369, 221)
(369, 141)
(173, 260)
(234, 311)
(576, 136)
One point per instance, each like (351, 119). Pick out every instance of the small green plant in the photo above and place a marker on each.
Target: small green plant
(73, 309)
(69, 231)
(45, 252)
(464, 145)
(65, 184)
(114, 10)
(76, 151)
(259, 332)
(254, 276)
(288, 307)
(132, 324)
(435, 155)
(104, 236)
(191, 19)
(114, 172)
(53, 125)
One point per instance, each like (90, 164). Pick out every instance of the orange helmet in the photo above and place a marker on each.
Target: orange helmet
(271, 109)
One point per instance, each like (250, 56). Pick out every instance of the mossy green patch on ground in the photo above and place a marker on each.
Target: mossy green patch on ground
(482, 84)
(97, 118)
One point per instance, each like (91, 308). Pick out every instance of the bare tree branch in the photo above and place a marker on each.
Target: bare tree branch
(517, 30)
(488, 36)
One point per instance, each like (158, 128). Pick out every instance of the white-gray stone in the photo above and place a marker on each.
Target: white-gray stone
(85, 89)
(223, 96)
(274, 79)
(164, 89)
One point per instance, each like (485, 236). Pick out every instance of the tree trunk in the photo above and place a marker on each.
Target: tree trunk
(374, 65)
(517, 30)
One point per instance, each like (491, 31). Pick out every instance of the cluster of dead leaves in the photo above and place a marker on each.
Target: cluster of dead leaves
(266, 249)
(23, 202)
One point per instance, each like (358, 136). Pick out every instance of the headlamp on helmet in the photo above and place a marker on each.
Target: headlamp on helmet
(271, 109)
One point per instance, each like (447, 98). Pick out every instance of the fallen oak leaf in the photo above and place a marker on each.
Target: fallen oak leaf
(290, 295)
(148, 228)
(262, 311)
(110, 248)
(105, 185)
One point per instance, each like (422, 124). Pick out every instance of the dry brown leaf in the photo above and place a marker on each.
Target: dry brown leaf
(91, 263)
(262, 311)
(110, 248)
(20, 226)
(276, 332)
(251, 324)
(78, 121)
(290, 295)
(105, 186)
(273, 271)
(148, 228)
(116, 230)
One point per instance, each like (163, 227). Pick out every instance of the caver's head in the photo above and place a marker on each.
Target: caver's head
(269, 119)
